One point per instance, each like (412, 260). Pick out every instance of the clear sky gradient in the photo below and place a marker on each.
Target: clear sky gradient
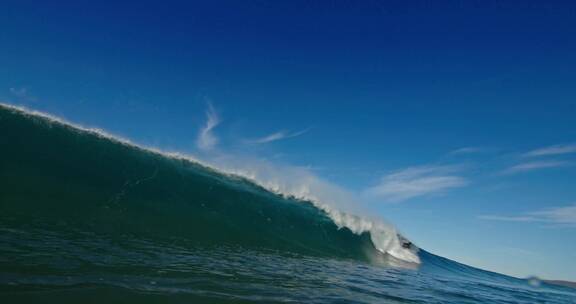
(454, 120)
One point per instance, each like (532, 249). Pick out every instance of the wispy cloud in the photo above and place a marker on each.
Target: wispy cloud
(468, 150)
(416, 181)
(559, 215)
(552, 150)
(22, 93)
(206, 139)
(276, 136)
(523, 218)
(535, 165)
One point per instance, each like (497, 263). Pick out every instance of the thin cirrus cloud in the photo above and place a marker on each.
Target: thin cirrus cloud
(552, 150)
(207, 140)
(535, 165)
(416, 182)
(276, 136)
(468, 150)
(560, 215)
(22, 93)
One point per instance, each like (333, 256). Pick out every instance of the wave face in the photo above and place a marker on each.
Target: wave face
(85, 215)
(57, 175)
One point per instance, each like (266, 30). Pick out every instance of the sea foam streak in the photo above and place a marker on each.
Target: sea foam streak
(309, 188)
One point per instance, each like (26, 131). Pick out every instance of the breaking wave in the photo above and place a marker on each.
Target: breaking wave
(55, 171)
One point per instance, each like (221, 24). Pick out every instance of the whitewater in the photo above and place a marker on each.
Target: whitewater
(87, 214)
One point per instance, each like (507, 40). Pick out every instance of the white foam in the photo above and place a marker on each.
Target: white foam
(288, 181)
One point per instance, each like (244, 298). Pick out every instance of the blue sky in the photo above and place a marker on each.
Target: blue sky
(455, 120)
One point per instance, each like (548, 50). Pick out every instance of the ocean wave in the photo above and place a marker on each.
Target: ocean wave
(383, 236)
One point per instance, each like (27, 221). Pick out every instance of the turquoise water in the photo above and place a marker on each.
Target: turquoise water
(84, 217)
